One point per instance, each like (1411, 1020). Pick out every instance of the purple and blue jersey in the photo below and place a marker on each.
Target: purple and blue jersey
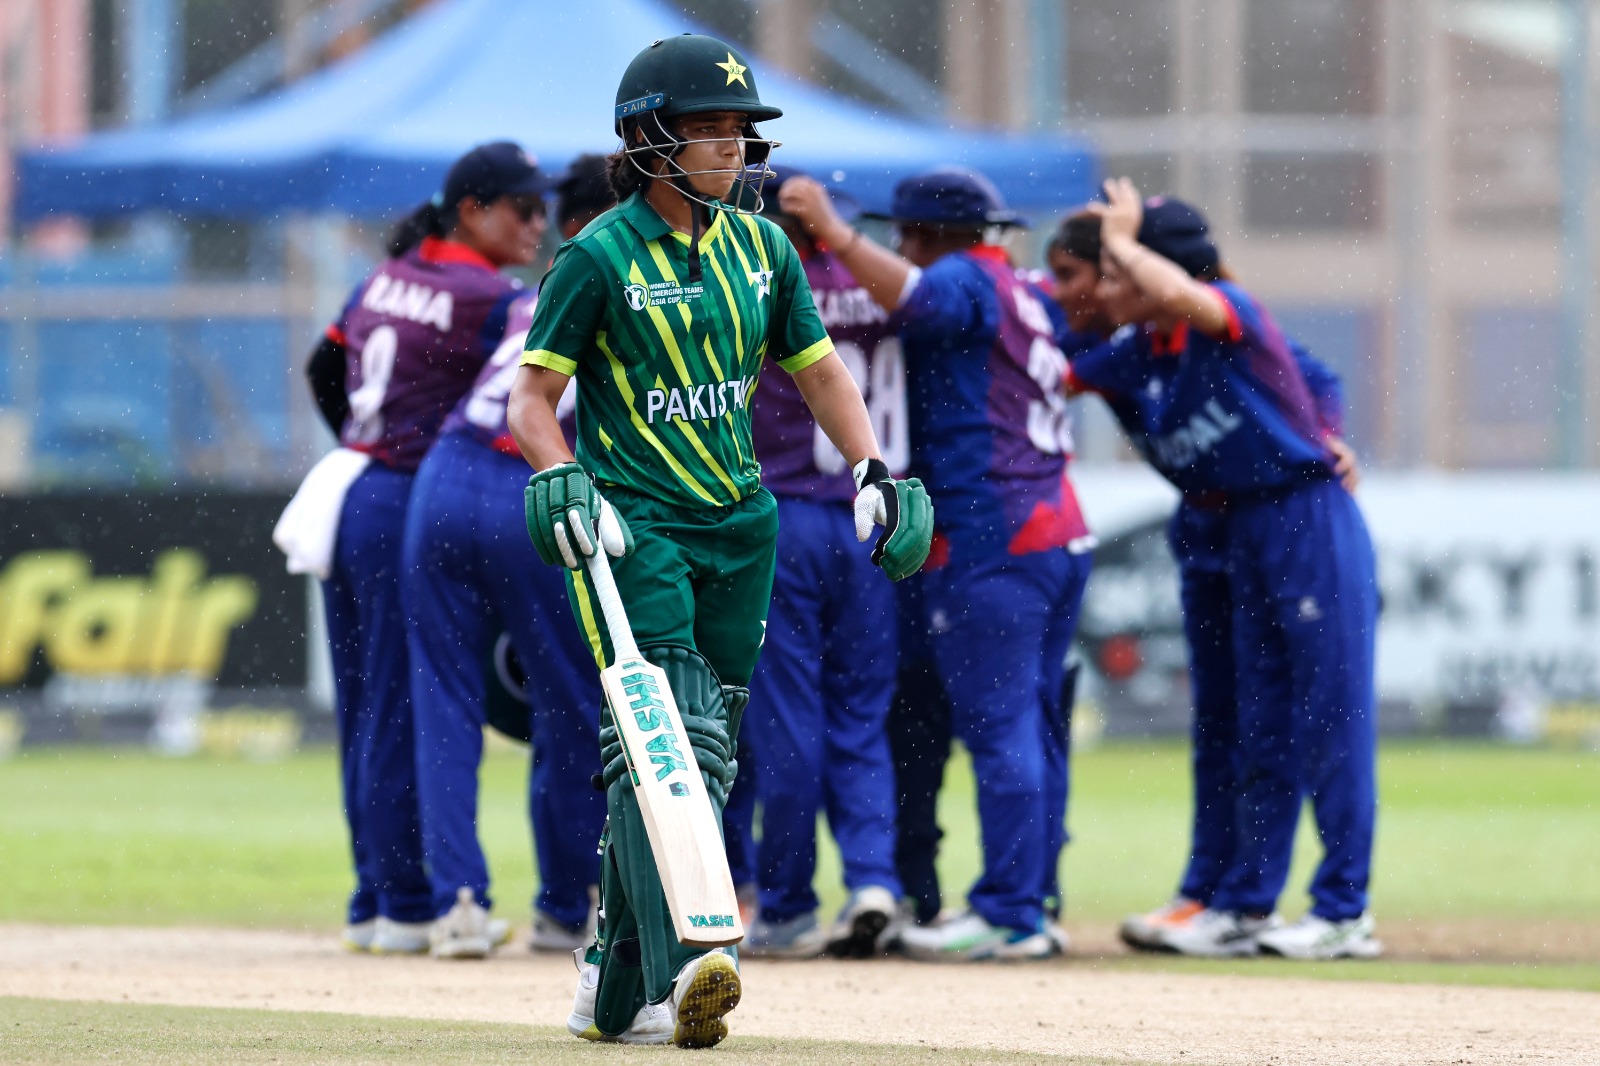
(1279, 599)
(1327, 391)
(416, 333)
(990, 431)
(481, 413)
(797, 459)
(1231, 415)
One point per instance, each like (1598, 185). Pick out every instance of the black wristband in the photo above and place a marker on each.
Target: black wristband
(870, 472)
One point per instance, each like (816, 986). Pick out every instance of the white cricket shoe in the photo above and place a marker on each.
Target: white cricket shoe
(706, 990)
(1317, 938)
(1142, 932)
(1058, 936)
(1213, 934)
(551, 935)
(401, 938)
(798, 938)
(466, 931)
(652, 1025)
(862, 921)
(358, 935)
(968, 937)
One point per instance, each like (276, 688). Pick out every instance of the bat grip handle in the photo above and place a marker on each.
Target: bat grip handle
(605, 590)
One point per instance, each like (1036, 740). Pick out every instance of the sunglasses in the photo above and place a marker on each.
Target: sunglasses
(526, 207)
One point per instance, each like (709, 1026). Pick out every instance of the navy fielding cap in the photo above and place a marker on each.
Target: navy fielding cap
(491, 171)
(1174, 229)
(950, 196)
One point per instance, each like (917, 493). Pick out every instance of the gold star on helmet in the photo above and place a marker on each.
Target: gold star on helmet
(735, 71)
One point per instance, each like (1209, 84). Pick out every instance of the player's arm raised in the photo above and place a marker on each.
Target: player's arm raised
(886, 276)
(1159, 277)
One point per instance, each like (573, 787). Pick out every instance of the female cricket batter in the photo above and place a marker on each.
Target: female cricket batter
(1224, 412)
(412, 339)
(664, 309)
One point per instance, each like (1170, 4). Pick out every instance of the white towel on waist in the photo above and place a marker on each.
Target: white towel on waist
(309, 527)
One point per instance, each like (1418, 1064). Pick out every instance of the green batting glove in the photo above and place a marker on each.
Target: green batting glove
(568, 519)
(904, 511)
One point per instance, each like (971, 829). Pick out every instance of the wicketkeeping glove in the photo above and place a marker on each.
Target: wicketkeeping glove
(904, 511)
(568, 519)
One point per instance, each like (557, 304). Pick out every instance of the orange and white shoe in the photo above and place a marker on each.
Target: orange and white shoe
(1142, 932)
(1218, 934)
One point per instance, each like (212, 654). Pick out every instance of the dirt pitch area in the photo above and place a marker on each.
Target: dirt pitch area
(1071, 1007)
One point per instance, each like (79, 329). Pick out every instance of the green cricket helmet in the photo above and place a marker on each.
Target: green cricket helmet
(687, 75)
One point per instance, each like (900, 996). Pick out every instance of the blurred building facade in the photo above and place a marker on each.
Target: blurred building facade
(1388, 174)
(1396, 178)
(161, 352)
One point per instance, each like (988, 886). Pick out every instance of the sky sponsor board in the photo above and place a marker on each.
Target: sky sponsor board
(1490, 584)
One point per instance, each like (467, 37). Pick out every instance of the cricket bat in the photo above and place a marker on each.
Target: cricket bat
(685, 833)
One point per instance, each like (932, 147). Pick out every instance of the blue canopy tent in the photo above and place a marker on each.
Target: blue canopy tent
(372, 135)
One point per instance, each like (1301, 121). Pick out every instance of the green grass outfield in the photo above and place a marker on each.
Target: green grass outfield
(123, 837)
(49, 1031)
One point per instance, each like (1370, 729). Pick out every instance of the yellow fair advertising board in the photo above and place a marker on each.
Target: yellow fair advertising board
(124, 613)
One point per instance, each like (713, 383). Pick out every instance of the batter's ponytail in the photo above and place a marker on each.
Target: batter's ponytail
(624, 176)
(427, 220)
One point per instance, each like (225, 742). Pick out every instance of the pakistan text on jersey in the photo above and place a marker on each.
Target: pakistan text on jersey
(408, 300)
(697, 401)
(1205, 429)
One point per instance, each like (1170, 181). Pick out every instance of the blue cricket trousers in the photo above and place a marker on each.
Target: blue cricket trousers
(471, 573)
(1000, 626)
(1305, 623)
(818, 703)
(1199, 542)
(739, 815)
(377, 753)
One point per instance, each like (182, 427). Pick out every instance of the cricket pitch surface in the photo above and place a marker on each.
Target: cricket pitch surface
(1077, 1006)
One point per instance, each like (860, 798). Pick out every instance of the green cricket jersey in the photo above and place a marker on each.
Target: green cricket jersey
(666, 367)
